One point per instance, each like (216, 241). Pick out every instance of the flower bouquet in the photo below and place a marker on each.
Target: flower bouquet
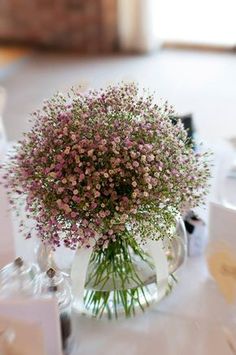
(107, 173)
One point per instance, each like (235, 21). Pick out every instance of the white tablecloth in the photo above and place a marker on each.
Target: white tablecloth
(191, 320)
(188, 321)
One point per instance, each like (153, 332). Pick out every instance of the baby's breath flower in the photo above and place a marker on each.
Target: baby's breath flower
(107, 162)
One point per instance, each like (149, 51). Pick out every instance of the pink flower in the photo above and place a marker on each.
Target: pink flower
(102, 214)
(128, 143)
(97, 194)
(81, 177)
(94, 161)
(76, 199)
(150, 158)
(90, 152)
(93, 205)
(67, 150)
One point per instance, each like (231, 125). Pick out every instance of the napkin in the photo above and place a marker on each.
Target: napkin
(40, 312)
(221, 250)
(26, 338)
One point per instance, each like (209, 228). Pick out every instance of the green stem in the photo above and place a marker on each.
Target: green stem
(114, 268)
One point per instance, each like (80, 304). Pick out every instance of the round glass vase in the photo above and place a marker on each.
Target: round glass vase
(126, 278)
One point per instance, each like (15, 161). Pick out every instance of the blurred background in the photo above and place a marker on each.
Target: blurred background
(183, 50)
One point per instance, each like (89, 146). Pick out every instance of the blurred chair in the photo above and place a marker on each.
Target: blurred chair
(11, 239)
(3, 138)
(7, 243)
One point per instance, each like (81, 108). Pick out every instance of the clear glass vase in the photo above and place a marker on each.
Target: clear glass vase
(126, 278)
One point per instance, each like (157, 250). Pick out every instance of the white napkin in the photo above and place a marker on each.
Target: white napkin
(222, 224)
(26, 338)
(43, 312)
(221, 251)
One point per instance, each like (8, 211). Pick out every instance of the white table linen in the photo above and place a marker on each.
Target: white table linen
(191, 320)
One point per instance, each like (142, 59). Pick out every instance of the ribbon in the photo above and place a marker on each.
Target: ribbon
(157, 251)
(79, 273)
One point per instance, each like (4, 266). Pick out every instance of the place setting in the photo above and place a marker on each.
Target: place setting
(112, 183)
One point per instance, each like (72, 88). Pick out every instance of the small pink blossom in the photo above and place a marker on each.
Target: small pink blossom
(97, 161)
(67, 150)
(81, 177)
(97, 194)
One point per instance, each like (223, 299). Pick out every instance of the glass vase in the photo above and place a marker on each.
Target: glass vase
(126, 278)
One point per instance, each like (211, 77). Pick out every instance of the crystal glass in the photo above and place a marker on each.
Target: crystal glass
(54, 284)
(18, 279)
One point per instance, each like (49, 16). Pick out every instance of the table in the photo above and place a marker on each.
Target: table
(191, 320)
(188, 321)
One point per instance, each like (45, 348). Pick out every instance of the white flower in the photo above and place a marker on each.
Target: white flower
(143, 158)
(151, 157)
(123, 218)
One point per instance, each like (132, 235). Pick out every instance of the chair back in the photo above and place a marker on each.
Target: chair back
(7, 243)
(3, 138)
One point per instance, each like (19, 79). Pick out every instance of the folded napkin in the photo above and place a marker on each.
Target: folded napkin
(35, 322)
(222, 224)
(21, 337)
(221, 250)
